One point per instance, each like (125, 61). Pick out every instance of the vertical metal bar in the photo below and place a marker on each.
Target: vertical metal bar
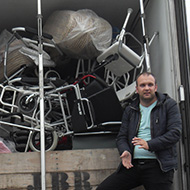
(41, 92)
(145, 38)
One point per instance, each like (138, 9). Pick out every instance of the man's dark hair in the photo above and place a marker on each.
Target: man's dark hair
(146, 73)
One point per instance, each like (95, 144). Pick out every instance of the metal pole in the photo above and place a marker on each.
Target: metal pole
(145, 38)
(41, 92)
(122, 33)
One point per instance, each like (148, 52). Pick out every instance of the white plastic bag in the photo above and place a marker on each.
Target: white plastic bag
(80, 34)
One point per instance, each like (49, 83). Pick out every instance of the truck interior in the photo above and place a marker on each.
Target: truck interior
(145, 35)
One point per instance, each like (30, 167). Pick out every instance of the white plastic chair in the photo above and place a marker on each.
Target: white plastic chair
(120, 61)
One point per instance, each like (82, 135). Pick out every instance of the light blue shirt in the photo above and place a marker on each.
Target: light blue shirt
(144, 133)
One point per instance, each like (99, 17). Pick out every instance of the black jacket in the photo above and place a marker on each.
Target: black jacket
(165, 130)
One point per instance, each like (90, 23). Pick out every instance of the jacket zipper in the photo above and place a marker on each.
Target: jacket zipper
(151, 128)
(138, 125)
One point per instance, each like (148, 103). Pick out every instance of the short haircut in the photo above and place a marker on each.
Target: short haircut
(146, 73)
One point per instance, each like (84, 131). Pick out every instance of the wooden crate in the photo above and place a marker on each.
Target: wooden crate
(65, 170)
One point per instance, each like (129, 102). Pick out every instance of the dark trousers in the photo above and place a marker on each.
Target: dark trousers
(144, 172)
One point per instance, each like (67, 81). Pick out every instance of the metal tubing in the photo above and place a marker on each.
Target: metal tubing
(63, 112)
(41, 91)
(146, 43)
(122, 33)
(19, 126)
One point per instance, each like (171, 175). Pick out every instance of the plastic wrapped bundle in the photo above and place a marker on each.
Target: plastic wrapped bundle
(80, 34)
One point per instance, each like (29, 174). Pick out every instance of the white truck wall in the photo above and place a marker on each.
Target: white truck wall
(160, 17)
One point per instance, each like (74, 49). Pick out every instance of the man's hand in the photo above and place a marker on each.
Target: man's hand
(126, 159)
(141, 142)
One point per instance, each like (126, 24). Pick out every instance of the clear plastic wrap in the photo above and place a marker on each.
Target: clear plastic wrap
(80, 34)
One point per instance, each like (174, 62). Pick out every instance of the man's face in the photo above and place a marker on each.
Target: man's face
(146, 88)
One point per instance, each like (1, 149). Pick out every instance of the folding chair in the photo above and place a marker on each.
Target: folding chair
(120, 61)
(124, 60)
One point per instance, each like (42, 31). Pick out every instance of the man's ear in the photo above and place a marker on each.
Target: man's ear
(136, 89)
(156, 88)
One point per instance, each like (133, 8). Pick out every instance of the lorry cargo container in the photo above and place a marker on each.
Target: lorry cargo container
(92, 159)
